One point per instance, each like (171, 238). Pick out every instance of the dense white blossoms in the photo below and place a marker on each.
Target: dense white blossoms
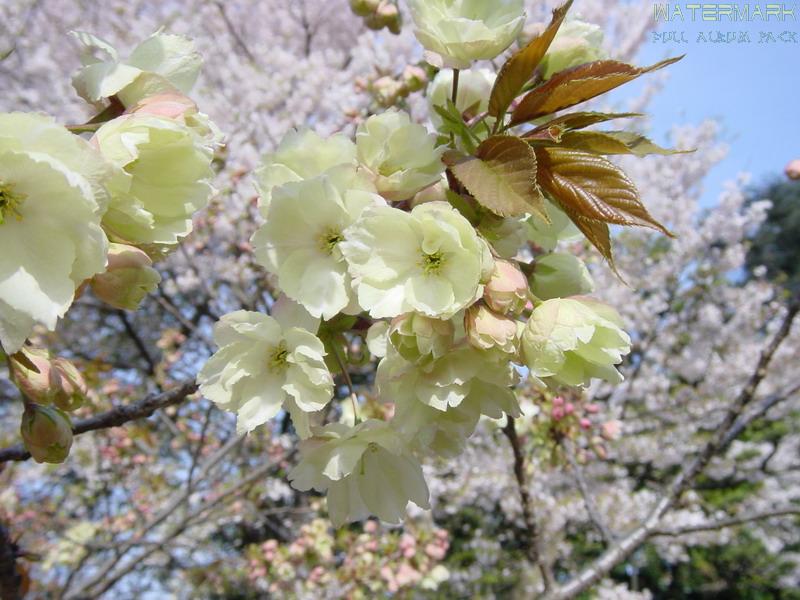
(400, 155)
(569, 341)
(429, 260)
(457, 32)
(264, 365)
(366, 470)
(474, 88)
(162, 63)
(165, 168)
(301, 239)
(51, 202)
(302, 154)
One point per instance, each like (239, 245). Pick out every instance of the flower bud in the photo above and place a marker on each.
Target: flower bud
(129, 277)
(171, 106)
(30, 371)
(507, 289)
(610, 430)
(46, 432)
(793, 169)
(560, 275)
(386, 90)
(389, 16)
(417, 337)
(415, 78)
(364, 8)
(486, 329)
(68, 387)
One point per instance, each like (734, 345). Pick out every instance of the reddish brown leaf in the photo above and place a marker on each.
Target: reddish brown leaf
(578, 84)
(591, 187)
(501, 177)
(518, 69)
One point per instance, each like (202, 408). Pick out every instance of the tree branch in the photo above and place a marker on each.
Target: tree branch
(9, 578)
(534, 538)
(114, 417)
(624, 547)
(723, 523)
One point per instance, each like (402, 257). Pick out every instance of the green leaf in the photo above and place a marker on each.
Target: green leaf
(591, 187)
(578, 84)
(454, 123)
(518, 69)
(462, 205)
(613, 142)
(501, 177)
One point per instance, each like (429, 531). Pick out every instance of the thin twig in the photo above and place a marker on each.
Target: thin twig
(591, 508)
(115, 417)
(732, 522)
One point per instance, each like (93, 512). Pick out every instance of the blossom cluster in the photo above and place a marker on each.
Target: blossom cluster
(78, 214)
(376, 241)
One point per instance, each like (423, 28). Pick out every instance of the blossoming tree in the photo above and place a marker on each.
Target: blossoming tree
(396, 301)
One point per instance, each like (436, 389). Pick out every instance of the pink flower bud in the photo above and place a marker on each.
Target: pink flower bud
(415, 78)
(569, 408)
(30, 372)
(557, 413)
(46, 380)
(585, 423)
(558, 401)
(592, 409)
(170, 106)
(386, 90)
(507, 289)
(793, 169)
(371, 526)
(611, 430)
(486, 329)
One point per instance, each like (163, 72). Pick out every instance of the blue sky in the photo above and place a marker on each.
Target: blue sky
(752, 89)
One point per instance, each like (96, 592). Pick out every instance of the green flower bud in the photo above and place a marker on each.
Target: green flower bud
(129, 277)
(417, 337)
(559, 275)
(364, 8)
(68, 387)
(46, 432)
